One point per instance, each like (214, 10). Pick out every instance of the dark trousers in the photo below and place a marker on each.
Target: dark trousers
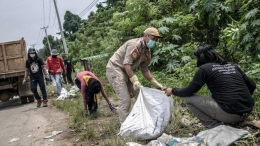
(33, 84)
(92, 104)
(69, 77)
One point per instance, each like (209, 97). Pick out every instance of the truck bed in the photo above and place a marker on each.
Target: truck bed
(12, 58)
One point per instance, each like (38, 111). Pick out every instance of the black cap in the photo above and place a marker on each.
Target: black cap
(31, 50)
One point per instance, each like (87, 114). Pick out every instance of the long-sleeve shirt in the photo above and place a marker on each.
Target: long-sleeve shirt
(55, 65)
(83, 85)
(231, 88)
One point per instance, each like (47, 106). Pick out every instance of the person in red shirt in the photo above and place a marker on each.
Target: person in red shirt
(90, 85)
(54, 66)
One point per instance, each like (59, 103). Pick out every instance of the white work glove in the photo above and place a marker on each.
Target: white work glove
(157, 85)
(135, 82)
(24, 81)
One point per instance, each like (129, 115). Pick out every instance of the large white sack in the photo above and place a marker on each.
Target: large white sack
(150, 115)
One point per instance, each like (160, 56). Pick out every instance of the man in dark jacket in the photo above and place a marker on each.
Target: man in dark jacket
(36, 69)
(69, 68)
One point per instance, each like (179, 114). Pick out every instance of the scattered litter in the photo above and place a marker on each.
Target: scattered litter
(51, 140)
(220, 135)
(76, 140)
(29, 135)
(53, 134)
(14, 139)
(65, 94)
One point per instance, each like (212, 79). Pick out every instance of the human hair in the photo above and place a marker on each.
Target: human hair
(206, 54)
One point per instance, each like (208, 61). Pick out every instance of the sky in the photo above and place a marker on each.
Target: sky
(25, 18)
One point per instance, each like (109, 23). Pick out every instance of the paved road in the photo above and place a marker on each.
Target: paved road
(27, 125)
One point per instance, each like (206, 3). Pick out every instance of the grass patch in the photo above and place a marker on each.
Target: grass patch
(102, 127)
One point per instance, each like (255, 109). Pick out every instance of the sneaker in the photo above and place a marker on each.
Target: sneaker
(45, 103)
(39, 102)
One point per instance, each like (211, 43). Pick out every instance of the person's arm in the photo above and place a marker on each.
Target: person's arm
(197, 82)
(43, 67)
(62, 66)
(186, 91)
(83, 91)
(47, 65)
(129, 70)
(26, 74)
(249, 82)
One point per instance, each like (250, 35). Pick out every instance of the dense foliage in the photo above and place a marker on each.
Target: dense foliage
(231, 26)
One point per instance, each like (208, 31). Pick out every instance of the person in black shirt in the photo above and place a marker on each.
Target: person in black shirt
(230, 87)
(35, 68)
(69, 68)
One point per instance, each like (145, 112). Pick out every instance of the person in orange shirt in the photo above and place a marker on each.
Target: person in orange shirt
(54, 66)
(90, 85)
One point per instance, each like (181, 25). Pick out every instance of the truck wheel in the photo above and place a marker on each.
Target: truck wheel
(4, 96)
(31, 98)
(24, 100)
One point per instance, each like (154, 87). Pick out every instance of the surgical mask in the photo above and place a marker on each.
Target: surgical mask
(32, 55)
(53, 56)
(150, 44)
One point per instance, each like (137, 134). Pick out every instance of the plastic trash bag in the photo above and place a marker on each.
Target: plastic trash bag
(65, 94)
(150, 115)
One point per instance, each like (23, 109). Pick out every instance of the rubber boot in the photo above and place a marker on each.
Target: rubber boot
(39, 102)
(45, 103)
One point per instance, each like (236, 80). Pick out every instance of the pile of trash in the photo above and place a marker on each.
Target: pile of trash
(65, 94)
(221, 135)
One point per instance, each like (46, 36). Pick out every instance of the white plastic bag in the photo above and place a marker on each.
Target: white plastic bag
(150, 115)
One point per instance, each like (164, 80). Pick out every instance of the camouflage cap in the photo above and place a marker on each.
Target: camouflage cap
(152, 31)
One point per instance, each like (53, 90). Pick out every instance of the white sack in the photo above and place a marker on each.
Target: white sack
(150, 115)
(65, 94)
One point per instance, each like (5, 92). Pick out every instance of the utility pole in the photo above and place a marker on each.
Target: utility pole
(45, 29)
(61, 31)
(33, 45)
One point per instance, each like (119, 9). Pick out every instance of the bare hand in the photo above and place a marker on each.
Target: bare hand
(168, 91)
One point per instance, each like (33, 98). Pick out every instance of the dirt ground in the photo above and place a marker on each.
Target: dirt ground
(27, 125)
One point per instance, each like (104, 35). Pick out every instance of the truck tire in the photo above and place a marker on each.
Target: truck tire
(4, 96)
(23, 100)
(31, 98)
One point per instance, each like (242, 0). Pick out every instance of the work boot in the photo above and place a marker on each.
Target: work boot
(39, 102)
(45, 103)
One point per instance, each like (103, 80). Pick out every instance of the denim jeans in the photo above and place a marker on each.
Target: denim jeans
(33, 84)
(57, 78)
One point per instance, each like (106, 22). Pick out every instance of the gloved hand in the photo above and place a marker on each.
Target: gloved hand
(157, 85)
(135, 82)
(112, 108)
(24, 81)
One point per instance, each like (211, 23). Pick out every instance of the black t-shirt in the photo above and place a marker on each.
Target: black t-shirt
(35, 68)
(230, 87)
(67, 62)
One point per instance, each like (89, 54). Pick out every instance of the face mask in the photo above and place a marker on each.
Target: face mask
(150, 44)
(53, 56)
(32, 55)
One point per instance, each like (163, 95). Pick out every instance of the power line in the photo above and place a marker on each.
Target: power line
(38, 36)
(89, 7)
